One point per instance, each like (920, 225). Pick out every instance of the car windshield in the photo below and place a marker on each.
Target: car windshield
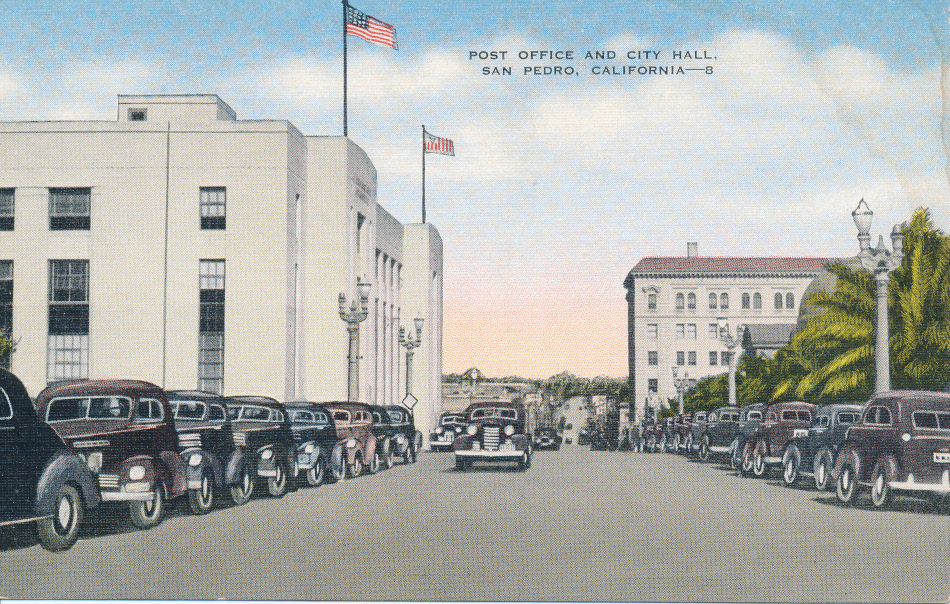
(503, 412)
(934, 420)
(97, 407)
(452, 419)
(188, 410)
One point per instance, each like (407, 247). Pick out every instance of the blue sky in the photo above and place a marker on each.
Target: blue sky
(560, 183)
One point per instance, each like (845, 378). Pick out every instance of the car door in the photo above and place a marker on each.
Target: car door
(14, 454)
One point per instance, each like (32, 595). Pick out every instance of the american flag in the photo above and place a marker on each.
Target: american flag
(369, 28)
(435, 144)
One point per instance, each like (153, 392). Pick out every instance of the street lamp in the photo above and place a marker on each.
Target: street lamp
(353, 317)
(880, 262)
(682, 385)
(731, 342)
(410, 344)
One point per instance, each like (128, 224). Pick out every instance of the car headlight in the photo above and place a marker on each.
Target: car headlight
(509, 430)
(458, 429)
(439, 430)
(472, 429)
(136, 473)
(94, 463)
(351, 444)
(308, 449)
(195, 460)
(266, 454)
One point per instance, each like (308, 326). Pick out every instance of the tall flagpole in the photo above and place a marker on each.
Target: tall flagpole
(423, 174)
(344, 67)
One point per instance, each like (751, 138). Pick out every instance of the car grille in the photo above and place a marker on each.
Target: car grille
(189, 441)
(491, 437)
(109, 481)
(239, 439)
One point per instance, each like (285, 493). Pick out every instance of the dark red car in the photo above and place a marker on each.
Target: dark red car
(902, 444)
(766, 446)
(125, 431)
(355, 448)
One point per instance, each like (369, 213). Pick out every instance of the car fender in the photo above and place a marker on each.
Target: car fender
(520, 441)
(370, 448)
(193, 473)
(235, 467)
(847, 455)
(314, 456)
(336, 457)
(793, 450)
(172, 473)
(62, 469)
(890, 466)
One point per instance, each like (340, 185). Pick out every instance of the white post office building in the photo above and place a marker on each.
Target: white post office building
(183, 246)
(675, 306)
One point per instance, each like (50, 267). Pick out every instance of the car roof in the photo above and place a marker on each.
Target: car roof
(16, 391)
(194, 395)
(254, 400)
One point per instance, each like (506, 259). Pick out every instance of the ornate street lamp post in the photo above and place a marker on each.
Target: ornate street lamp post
(410, 344)
(731, 343)
(682, 385)
(353, 317)
(880, 262)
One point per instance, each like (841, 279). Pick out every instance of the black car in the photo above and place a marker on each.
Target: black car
(206, 441)
(450, 425)
(750, 417)
(396, 434)
(262, 431)
(716, 433)
(547, 438)
(697, 424)
(314, 437)
(41, 480)
(814, 452)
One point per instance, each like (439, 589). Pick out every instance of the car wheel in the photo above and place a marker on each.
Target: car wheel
(823, 466)
(356, 468)
(676, 443)
(759, 467)
(747, 461)
(790, 466)
(735, 455)
(277, 485)
(662, 445)
(242, 491)
(410, 456)
(146, 514)
(389, 457)
(524, 462)
(201, 500)
(688, 445)
(847, 486)
(880, 491)
(316, 473)
(60, 531)
(704, 449)
(338, 471)
(373, 465)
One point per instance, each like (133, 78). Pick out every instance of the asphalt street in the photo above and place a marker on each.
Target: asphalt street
(576, 526)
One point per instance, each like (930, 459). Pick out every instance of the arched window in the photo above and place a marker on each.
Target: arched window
(756, 300)
(724, 301)
(712, 300)
(691, 301)
(745, 300)
(778, 300)
(680, 301)
(789, 300)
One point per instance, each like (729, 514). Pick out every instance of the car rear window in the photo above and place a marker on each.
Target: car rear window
(253, 413)
(217, 413)
(847, 418)
(188, 410)
(804, 416)
(302, 417)
(6, 409)
(341, 416)
(937, 420)
(755, 415)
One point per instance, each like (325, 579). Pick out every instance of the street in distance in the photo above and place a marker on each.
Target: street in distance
(688, 62)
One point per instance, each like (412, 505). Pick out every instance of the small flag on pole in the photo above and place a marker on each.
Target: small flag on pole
(435, 144)
(373, 30)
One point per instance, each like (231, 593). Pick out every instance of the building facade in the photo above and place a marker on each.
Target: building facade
(182, 246)
(675, 306)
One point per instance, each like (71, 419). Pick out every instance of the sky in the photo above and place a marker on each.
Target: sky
(561, 182)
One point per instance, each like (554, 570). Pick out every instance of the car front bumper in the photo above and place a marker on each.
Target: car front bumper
(512, 455)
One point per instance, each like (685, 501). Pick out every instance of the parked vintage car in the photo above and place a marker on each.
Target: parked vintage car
(666, 432)
(125, 431)
(263, 433)
(766, 446)
(717, 434)
(314, 437)
(396, 434)
(749, 418)
(652, 431)
(814, 453)
(496, 432)
(680, 430)
(206, 441)
(547, 438)
(902, 444)
(356, 445)
(697, 423)
(451, 424)
(41, 479)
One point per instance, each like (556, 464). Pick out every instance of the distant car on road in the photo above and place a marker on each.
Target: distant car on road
(451, 424)
(41, 479)
(547, 438)
(496, 432)
(901, 445)
(814, 453)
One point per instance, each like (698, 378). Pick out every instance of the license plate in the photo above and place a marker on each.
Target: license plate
(941, 457)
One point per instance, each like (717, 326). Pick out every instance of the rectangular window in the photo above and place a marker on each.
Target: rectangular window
(213, 207)
(713, 331)
(69, 209)
(653, 331)
(653, 385)
(137, 115)
(653, 358)
(724, 359)
(713, 357)
(6, 305)
(691, 331)
(211, 326)
(67, 346)
(680, 331)
(691, 357)
(6, 209)
(680, 358)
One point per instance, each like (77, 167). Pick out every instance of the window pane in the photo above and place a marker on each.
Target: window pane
(712, 301)
(789, 300)
(724, 301)
(756, 300)
(778, 301)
